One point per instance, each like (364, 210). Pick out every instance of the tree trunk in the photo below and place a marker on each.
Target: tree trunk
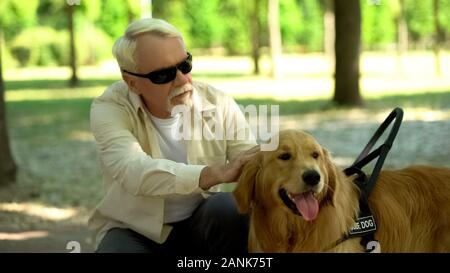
(74, 81)
(8, 168)
(347, 50)
(274, 36)
(437, 38)
(402, 36)
(255, 29)
(328, 23)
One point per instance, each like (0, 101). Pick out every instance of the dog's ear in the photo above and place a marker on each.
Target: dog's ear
(243, 193)
(332, 177)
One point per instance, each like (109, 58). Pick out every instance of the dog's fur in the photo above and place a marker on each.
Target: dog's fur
(411, 206)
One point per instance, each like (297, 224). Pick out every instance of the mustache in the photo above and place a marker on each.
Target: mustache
(180, 90)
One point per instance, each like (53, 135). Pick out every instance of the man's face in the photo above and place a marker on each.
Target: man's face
(155, 53)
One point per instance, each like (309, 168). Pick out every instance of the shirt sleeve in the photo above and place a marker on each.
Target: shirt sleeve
(124, 161)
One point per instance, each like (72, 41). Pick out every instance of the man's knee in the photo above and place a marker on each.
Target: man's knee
(221, 208)
(221, 226)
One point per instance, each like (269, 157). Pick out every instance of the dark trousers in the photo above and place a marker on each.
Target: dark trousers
(215, 227)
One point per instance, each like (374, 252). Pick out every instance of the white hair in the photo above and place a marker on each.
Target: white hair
(124, 48)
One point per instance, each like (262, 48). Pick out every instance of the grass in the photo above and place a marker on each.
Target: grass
(52, 141)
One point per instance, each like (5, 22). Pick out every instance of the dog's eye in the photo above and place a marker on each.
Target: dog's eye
(315, 154)
(285, 156)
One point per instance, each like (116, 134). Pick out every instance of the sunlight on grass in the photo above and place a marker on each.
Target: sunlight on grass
(20, 236)
(39, 210)
(304, 77)
(81, 135)
(106, 69)
(46, 94)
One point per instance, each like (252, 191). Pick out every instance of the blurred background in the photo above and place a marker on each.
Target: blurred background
(336, 68)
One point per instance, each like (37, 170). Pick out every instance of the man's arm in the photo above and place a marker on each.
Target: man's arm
(124, 161)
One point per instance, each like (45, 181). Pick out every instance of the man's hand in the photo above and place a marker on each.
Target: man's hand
(213, 175)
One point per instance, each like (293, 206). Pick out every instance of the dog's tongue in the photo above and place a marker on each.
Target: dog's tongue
(307, 205)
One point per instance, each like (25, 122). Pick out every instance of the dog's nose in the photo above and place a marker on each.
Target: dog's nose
(311, 177)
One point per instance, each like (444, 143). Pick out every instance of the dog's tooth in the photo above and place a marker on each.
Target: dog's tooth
(290, 196)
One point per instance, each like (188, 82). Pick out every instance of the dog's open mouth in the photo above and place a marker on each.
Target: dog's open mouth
(304, 204)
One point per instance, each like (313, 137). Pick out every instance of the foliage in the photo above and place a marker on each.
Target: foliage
(204, 24)
(40, 51)
(176, 15)
(17, 16)
(49, 46)
(237, 35)
(114, 17)
(290, 21)
(419, 17)
(378, 23)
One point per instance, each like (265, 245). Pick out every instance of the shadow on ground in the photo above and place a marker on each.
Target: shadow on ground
(57, 240)
(31, 234)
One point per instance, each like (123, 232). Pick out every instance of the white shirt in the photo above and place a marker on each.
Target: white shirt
(177, 207)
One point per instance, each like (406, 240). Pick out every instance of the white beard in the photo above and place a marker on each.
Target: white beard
(180, 90)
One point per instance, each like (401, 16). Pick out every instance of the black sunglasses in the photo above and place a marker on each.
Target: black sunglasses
(166, 75)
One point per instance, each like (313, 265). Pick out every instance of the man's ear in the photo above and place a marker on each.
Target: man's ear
(243, 193)
(131, 82)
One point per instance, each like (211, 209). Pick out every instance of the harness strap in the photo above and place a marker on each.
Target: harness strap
(366, 184)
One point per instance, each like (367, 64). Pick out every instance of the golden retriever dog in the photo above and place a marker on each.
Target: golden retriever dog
(411, 206)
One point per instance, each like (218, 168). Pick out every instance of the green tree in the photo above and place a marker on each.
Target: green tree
(74, 81)
(205, 22)
(291, 22)
(419, 18)
(255, 30)
(378, 23)
(347, 51)
(311, 32)
(444, 17)
(16, 16)
(175, 13)
(301, 23)
(237, 37)
(114, 17)
(62, 15)
(8, 167)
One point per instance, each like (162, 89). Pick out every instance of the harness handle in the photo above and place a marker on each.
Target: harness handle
(366, 156)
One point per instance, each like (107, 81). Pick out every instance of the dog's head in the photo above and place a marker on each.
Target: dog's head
(298, 176)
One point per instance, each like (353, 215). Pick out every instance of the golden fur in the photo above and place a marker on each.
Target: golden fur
(411, 206)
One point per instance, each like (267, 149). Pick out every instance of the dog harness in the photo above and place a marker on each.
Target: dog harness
(365, 225)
